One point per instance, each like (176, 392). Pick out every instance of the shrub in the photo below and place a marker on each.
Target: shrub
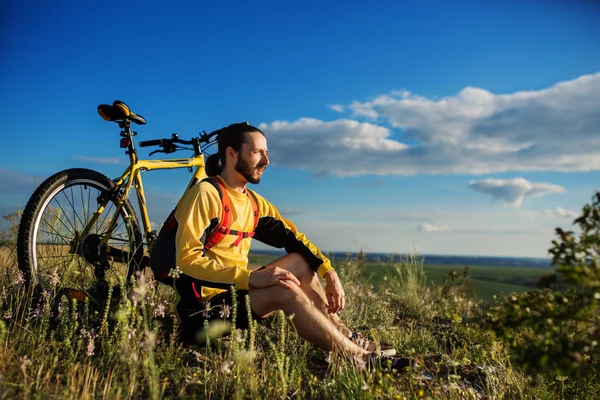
(556, 329)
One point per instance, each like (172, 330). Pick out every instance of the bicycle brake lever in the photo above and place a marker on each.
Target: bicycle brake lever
(156, 151)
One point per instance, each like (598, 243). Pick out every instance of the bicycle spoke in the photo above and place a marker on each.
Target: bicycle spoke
(61, 256)
(57, 265)
(108, 214)
(116, 228)
(60, 268)
(55, 233)
(72, 204)
(119, 239)
(85, 214)
(60, 219)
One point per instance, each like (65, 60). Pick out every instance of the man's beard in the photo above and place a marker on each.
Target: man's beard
(244, 169)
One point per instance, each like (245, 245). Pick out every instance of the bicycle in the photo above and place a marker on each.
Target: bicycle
(79, 228)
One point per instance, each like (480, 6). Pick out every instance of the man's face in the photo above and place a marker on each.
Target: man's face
(253, 157)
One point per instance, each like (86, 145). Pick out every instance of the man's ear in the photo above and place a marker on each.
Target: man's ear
(231, 153)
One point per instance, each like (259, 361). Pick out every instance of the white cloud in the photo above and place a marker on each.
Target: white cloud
(97, 160)
(560, 212)
(342, 147)
(426, 227)
(513, 191)
(473, 132)
(337, 107)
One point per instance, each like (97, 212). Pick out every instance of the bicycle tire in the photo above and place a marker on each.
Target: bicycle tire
(46, 234)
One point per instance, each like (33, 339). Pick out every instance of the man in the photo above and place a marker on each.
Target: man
(290, 283)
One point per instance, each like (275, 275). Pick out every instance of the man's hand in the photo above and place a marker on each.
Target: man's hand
(336, 298)
(272, 276)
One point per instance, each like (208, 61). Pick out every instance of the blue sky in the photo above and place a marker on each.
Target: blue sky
(450, 128)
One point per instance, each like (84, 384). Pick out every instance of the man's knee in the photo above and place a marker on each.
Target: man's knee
(265, 301)
(287, 297)
(300, 268)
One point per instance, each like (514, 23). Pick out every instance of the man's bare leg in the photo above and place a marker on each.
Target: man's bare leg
(310, 323)
(311, 285)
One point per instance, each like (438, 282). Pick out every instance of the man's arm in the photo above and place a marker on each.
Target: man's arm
(276, 231)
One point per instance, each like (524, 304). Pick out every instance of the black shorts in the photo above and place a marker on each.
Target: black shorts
(193, 313)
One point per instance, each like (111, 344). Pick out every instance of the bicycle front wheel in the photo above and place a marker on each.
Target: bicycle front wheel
(58, 245)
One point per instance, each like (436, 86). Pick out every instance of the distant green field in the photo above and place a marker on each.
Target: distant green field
(488, 281)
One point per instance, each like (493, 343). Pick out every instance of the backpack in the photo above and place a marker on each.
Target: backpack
(162, 257)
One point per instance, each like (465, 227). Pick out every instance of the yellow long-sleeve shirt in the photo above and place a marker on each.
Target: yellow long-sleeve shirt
(224, 265)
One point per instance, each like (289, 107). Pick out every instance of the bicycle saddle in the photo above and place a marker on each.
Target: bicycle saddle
(119, 111)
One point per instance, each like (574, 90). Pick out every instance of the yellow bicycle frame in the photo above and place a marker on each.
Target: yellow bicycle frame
(132, 178)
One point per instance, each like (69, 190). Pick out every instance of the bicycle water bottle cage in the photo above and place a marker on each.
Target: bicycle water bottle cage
(119, 111)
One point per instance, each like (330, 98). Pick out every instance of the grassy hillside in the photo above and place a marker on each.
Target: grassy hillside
(54, 347)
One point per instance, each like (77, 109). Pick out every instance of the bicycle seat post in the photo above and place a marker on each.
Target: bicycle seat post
(128, 135)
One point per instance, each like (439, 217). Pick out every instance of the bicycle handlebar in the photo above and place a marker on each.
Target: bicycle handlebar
(206, 137)
(170, 145)
(148, 143)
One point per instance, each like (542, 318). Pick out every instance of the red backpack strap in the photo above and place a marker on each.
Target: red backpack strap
(222, 229)
(244, 235)
(254, 204)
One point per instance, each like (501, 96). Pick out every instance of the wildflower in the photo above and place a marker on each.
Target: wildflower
(25, 362)
(226, 367)
(7, 315)
(225, 311)
(421, 393)
(175, 273)
(19, 278)
(206, 311)
(54, 279)
(35, 314)
(149, 341)
(131, 333)
(364, 387)
(159, 310)
(597, 296)
(88, 336)
(238, 336)
(140, 289)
